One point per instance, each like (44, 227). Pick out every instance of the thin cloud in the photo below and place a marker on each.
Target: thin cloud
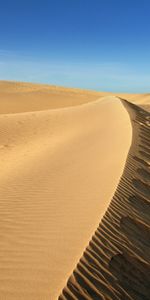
(113, 76)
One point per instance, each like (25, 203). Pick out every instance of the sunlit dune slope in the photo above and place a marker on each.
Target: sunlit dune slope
(116, 263)
(59, 169)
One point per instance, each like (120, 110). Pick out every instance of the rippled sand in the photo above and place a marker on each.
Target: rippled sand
(63, 152)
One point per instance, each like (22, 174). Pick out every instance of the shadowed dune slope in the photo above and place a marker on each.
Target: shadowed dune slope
(59, 169)
(116, 263)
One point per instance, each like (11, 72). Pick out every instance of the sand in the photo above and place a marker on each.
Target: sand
(116, 263)
(63, 152)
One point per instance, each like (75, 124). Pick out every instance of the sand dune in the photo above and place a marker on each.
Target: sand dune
(116, 263)
(24, 97)
(63, 152)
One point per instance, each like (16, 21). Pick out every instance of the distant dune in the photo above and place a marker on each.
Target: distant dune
(64, 154)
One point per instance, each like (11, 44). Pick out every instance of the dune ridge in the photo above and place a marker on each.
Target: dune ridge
(63, 152)
(53, 162)
(116, 263)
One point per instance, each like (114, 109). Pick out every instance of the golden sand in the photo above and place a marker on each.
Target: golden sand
(62, 152)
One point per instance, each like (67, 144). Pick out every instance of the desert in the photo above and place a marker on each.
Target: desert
(72, 161)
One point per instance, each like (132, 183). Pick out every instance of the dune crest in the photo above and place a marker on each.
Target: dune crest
(59, 169)
(116, 263)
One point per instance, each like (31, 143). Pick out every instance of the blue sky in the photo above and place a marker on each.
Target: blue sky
(95, 44)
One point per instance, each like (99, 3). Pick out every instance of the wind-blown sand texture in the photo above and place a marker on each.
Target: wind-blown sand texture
(116, 263)
(63, 152)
